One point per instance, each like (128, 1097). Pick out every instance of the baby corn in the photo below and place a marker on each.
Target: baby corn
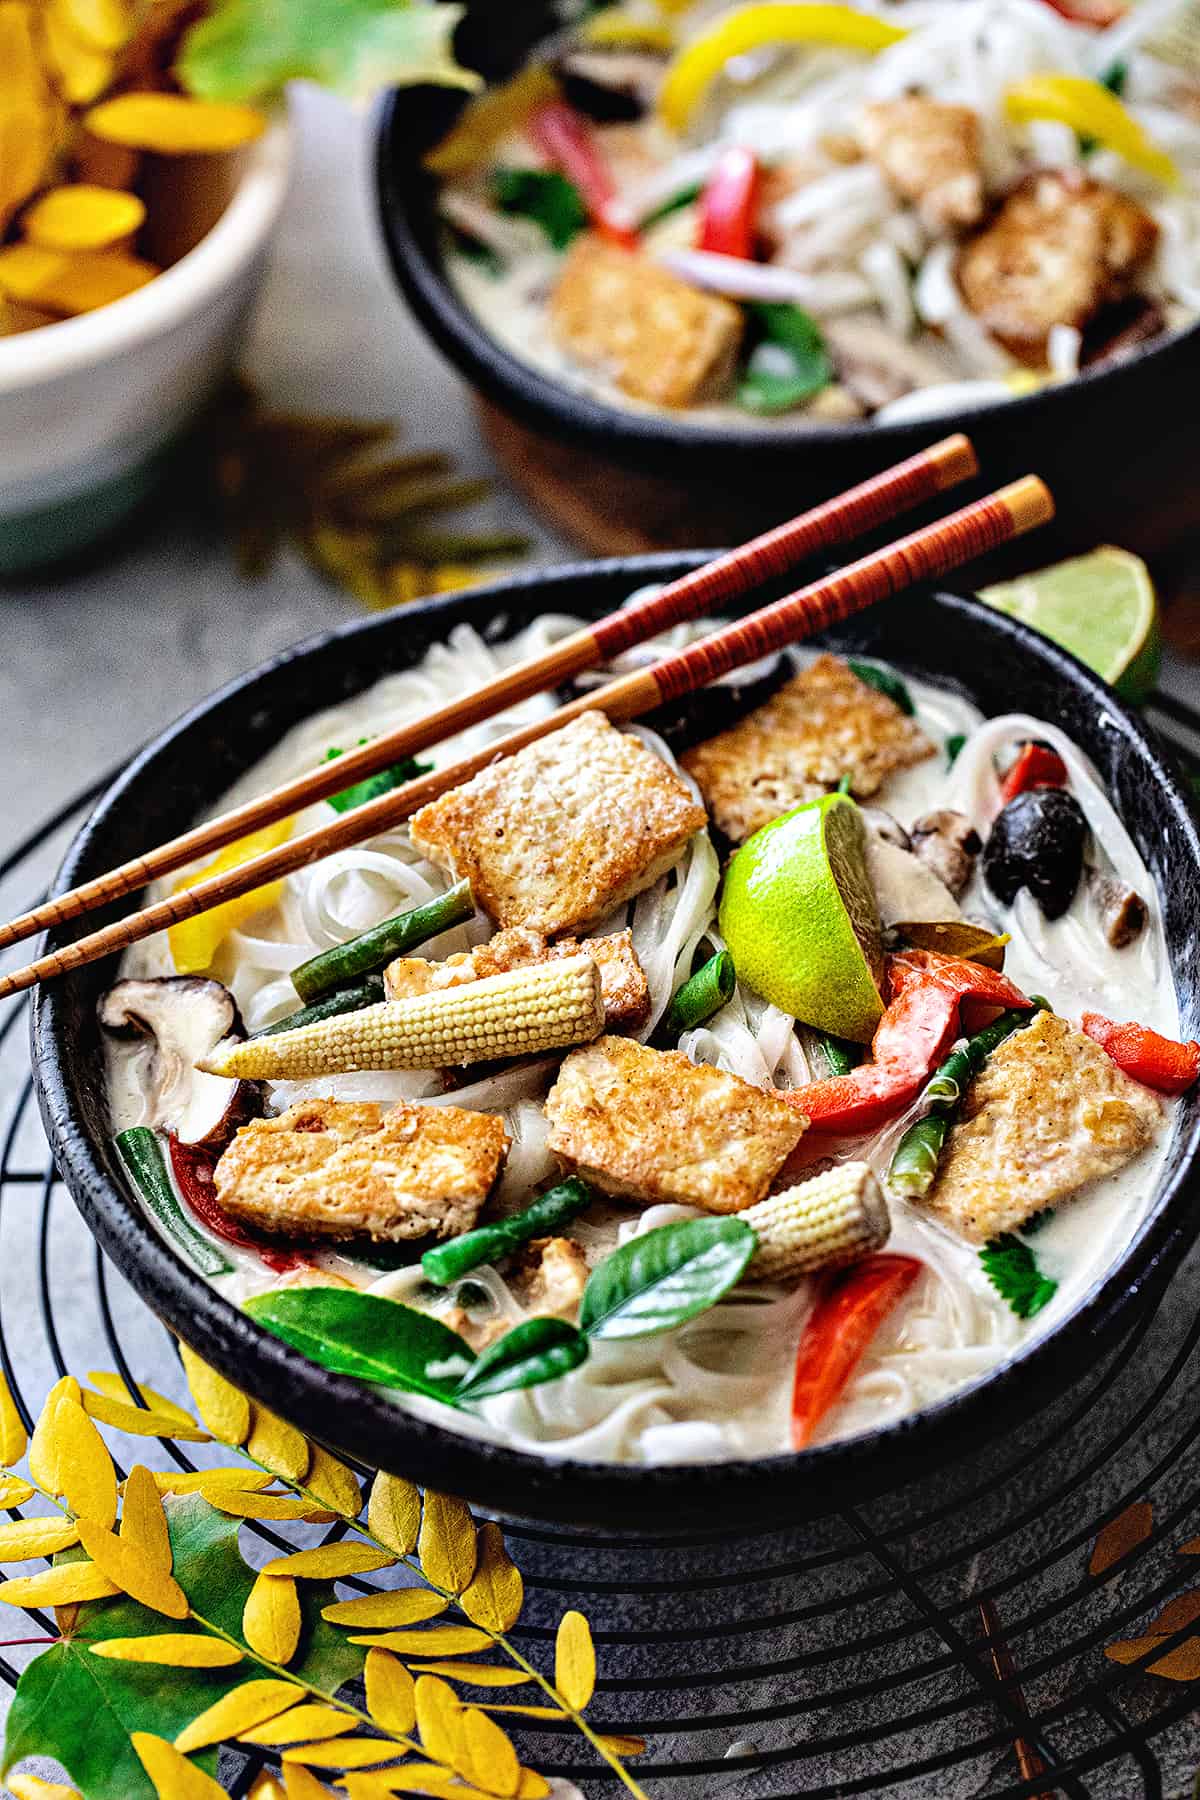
(834, 1218)
(545, 1006)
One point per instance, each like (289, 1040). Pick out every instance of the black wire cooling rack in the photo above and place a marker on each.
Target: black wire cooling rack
(944, 1640)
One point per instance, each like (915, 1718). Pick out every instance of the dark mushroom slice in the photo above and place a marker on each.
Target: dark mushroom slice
(1121, 908)
(613, 87)
(1037, 843)
(180, 1020)
(947, 843)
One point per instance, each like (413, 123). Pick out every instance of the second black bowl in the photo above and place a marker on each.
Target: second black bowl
(997, 663)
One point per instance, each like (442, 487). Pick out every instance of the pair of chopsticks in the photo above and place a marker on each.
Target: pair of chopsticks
(922, 556)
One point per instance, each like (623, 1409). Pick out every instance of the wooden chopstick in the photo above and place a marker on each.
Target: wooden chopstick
(922, 556)
(849, 515)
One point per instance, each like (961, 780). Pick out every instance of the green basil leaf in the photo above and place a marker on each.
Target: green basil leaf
(537, 1350)
(544, 196)
(664, 1277)
(372, 786)
(367, 1336)
(885, 681)
(788, 363)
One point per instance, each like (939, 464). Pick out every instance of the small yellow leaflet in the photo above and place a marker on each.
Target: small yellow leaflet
(391, 1693)
(271, 1620)
(330, 1562)
(496, 1593)
(446, 1545)
(172, 1776)
(394, 1513)
(575, 1660)
(251, 1704)
(175, 1649)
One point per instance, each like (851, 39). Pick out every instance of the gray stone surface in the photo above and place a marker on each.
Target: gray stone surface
(806, 1648)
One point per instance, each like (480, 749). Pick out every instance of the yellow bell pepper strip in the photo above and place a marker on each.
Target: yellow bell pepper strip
(616, 29)
(1091, 110)
(195, 942)
(750, 28)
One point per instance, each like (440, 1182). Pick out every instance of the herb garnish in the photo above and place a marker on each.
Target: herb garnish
(788, 362)
(382, 782)
(1012, 1269)
(546, 197)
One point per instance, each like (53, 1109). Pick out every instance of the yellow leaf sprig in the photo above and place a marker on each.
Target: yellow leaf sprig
(412, 1708)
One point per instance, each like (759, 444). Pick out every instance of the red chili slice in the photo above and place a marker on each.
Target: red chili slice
(838, 1333)
(1037, 766)
(566, 141)
(1157, 1062)
(729, 205)
(193, 1168)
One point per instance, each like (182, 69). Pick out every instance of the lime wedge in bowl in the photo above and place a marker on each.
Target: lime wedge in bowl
(1102, 607)
(799, 916)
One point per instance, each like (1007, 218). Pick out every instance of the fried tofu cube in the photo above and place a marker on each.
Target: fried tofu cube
(624, 992)
(929, 153)
(651, 1124)
(1060, 248)
(342, 1169)
(660, 339)
(558, 835)
(1049, 1113)
(821, 725)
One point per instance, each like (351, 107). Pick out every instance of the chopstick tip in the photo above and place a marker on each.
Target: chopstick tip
(954, 459)
(1028, 502)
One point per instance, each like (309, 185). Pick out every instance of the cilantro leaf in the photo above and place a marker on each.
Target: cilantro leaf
(370, 788)
(251, 49)
(544, 196)
(788, 364)
(1012, 1269)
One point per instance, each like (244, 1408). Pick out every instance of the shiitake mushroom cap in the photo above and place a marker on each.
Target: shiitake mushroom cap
(1037, 843)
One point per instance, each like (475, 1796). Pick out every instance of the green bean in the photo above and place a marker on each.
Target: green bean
(701, 995)
(886, 681)
(915, 1159)
(542, 1218)
(367, 953)
(141, 1153)
(341, 1000)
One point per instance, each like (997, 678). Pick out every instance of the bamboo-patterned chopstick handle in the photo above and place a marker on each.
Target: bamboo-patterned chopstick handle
(847, 516)
(728, 577)
(920, 556)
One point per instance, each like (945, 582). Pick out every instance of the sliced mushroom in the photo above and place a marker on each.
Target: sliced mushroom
(947, 843)
(180, 1020)
(1121, 908)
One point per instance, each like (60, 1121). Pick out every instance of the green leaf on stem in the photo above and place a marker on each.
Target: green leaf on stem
(365, 1335)
(250, 49)
(665, 1277)
(80, 1709)
(536, 1350)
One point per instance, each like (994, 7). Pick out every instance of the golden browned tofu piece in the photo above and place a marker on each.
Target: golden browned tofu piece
(340, 1169)
(1049, 1112)
(558, 835)
(657, 337)
(1059, 249)
(821, 725)
(653, 1125)
(929, 152)
(623, 988)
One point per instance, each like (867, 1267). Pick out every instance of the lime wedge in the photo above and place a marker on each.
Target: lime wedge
(1102, 607)
(799, 916)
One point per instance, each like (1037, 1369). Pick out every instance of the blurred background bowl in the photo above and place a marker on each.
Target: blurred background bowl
(91, 407)
(1119, 444)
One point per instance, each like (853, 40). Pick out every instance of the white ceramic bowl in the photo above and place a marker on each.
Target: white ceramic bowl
(90, 407)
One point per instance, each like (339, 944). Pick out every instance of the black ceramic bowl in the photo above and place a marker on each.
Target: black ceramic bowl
(954, 641)
(1119, 438)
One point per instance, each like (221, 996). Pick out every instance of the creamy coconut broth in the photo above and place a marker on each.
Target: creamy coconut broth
(720, 1385)
(887, 215)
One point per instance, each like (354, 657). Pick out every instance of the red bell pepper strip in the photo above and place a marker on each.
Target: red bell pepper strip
(1097, 13)
(838, 1332)
(568, 144)
(1036, 766)
(912, 1037)
(1157, 1062)
(192, 1166)
(729, 204)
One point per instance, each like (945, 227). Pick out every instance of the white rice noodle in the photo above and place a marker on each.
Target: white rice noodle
(826, 291)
